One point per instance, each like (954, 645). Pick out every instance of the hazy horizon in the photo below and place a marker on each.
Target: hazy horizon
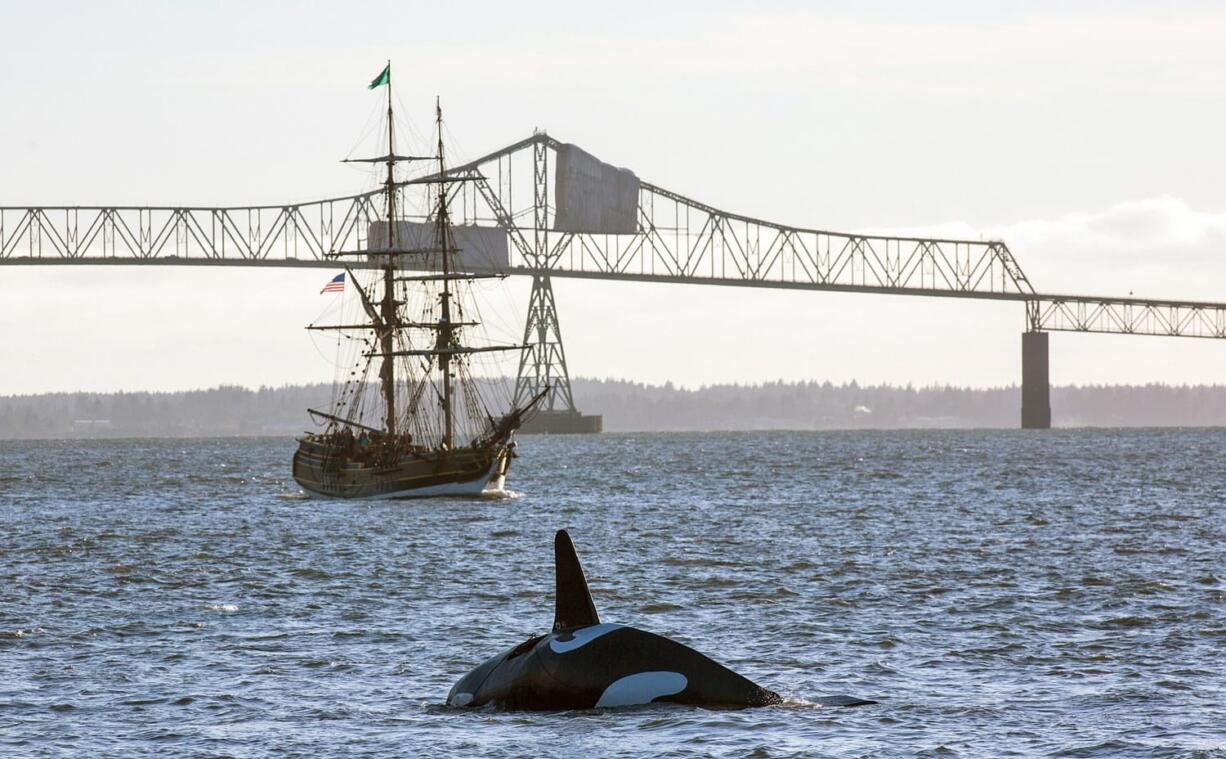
(667, 385)
(1089, 140)
(629, 407)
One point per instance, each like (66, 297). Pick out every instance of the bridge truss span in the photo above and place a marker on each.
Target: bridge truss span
(269, 235)
(1126, 316)
(683, 238)
(677, 237)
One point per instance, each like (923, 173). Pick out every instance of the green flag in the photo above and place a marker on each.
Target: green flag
(384, 77)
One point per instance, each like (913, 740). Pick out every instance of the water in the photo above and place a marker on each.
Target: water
(1001, 593)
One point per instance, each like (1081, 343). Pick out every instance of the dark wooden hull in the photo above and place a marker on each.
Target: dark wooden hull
(321, 470)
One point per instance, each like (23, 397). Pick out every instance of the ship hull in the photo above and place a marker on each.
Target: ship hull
(460, 472)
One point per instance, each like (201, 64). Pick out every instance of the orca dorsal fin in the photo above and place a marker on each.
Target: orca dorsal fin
(573, 607)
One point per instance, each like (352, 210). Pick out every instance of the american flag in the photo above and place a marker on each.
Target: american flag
(335, 285)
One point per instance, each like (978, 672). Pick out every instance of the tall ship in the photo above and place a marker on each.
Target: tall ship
(410, 418)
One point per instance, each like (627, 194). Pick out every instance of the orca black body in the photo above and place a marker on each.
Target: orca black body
(584, 664)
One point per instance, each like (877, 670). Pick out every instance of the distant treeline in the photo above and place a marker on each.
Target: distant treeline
(629, 406)
(632, 406)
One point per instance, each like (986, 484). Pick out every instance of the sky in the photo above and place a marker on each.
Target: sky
(1088, 136)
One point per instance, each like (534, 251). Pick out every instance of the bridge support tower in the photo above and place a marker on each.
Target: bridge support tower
(543, 365)
(543, 361)
(1036, 384)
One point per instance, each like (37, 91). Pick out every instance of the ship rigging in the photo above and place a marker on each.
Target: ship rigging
(457, 446)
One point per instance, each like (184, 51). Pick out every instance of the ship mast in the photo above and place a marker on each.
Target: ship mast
(385, 319)
(444, 341)
(387, 308)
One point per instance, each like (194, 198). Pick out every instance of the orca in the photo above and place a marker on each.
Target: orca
(583, 663)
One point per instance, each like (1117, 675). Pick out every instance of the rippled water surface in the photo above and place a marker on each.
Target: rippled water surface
(1001, 593)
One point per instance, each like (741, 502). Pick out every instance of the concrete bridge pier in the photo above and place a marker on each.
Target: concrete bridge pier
(1036, 387)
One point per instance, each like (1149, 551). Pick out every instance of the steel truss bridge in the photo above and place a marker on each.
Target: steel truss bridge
(678, 240)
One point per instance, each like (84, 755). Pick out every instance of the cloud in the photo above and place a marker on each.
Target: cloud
(1154, 230)
(1157, 247)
